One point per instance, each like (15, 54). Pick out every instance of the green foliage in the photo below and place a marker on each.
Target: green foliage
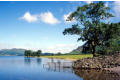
(38, 53)
(110, 39)
(31, 53)
(58, 53)
(91, 27)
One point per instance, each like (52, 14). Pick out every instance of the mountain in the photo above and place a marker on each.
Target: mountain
(12, 52)
(47, 53)
(77, 50)
(16, 52)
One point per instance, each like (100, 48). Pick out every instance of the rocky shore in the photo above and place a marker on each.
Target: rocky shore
(100, 62)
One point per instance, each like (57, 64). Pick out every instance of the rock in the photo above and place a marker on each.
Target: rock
(100, 62)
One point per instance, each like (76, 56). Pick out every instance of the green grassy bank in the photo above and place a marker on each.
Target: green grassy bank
(70, 57)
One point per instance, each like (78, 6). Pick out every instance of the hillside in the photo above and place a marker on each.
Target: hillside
(12, 52)
(77, 50)
(20, 52)
(15, 52)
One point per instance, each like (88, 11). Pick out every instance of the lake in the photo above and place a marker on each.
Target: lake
(32, 68)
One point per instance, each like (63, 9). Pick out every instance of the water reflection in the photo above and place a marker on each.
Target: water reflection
(39, 60)
(58, 66)
(61, 66)
(52, 60)
(28, 60)
(31, 68)
(96, 75)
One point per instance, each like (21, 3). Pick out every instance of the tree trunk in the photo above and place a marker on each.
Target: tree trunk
(94, 52)
(93, 49)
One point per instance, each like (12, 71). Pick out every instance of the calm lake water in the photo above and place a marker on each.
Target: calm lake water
(29, 68)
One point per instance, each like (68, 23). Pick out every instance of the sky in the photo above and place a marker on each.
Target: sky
(39, 25)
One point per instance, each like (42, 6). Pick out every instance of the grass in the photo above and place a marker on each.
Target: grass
(70, 57)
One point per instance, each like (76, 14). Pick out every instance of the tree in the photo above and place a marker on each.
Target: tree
(28, 53)
(110, 37)
(58, 53)
(38, 53)
(34, 53)
(89, 19)
(25, 54)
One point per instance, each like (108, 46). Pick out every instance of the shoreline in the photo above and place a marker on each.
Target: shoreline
(69, 57)
(62, 58)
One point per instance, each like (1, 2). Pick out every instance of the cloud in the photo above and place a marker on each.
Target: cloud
(63, 48)
(49, 18)
(75, 2)
(46, 17)
(6, 46)
(88, 2)
(29, 18)
(65, 17)
(106, 4)
(117, 8)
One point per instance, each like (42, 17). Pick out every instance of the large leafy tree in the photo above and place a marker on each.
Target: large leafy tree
(110, 38)
(89, 19)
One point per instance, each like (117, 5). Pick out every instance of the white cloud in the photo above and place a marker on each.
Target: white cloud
(63, 48)
(117, 8)
(46, 17)
(29, 18)
(6, 46)
(76, 2)
(106, 4)
(88, 2)
(65, 17)
(49, 18)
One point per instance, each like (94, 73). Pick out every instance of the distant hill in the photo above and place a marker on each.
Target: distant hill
(16, 52)
(20, 52)
(84, 49)
(77, 50)
(47, 53)
(12, 52)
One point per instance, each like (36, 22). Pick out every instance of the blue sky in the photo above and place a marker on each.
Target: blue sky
(39, 25)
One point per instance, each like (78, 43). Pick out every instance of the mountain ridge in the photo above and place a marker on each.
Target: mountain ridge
(78, 50)
(12, 52)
